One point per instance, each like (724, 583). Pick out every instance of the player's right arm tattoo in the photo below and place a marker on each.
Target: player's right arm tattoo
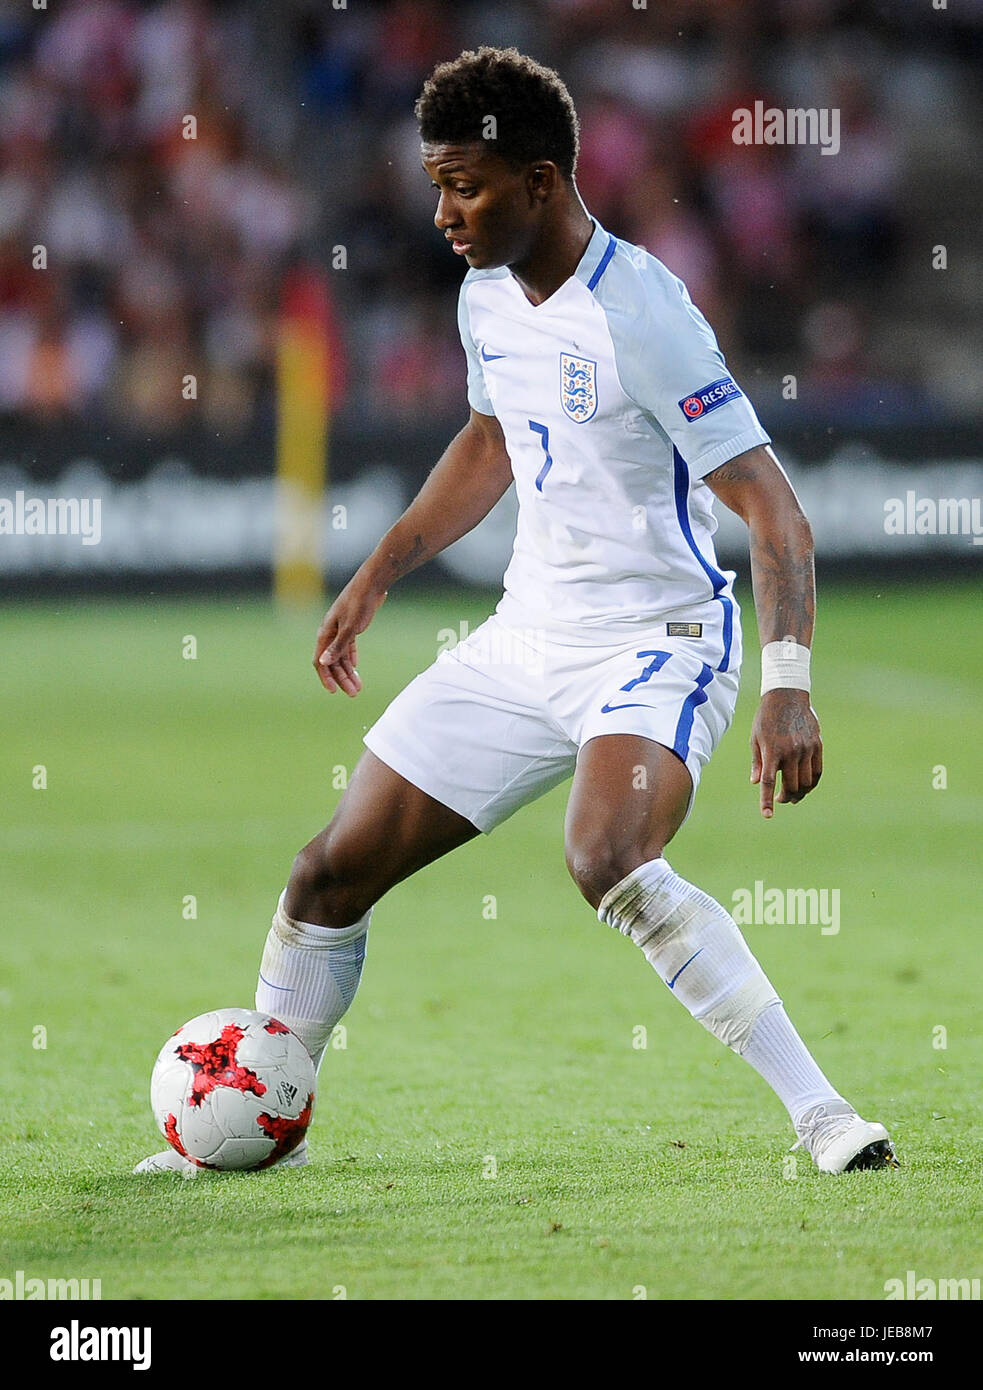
(400, 565)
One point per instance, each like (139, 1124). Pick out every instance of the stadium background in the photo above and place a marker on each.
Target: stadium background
(301, 195)
(169, 781)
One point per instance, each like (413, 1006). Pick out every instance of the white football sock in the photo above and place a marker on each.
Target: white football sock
(309, 975)
(779, 1055)
(697, 949)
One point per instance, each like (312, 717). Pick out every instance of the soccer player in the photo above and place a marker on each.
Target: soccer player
(598, 388)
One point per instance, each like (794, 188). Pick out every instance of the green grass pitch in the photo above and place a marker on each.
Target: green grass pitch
(492, 1129)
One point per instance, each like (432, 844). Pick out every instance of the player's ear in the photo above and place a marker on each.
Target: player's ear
(542, 180)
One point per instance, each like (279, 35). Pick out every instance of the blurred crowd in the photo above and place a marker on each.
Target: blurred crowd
(165, 166)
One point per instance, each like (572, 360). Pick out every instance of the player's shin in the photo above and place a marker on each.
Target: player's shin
(697, 949)
(309, 975)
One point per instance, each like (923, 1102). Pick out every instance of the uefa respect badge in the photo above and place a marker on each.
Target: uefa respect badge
(709, 398)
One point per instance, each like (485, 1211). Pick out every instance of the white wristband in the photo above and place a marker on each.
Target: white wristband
(785, 666)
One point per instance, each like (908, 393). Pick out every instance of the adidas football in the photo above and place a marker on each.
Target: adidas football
(233, 1089)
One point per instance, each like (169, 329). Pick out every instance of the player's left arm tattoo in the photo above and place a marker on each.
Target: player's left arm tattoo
(783, 579)
(785, 738)
(755, 486)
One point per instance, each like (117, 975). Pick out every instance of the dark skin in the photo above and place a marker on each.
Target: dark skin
(532, 220)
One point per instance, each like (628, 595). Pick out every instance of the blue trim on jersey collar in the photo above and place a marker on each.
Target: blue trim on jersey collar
(596, 258)
(592, 282)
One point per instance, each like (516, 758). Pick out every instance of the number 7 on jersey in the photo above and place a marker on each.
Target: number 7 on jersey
(543, 432)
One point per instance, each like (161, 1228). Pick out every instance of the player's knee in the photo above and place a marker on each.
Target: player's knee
(596, 866)
(326, 890)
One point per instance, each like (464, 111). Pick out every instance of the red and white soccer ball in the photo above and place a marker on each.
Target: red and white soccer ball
(233, 1089)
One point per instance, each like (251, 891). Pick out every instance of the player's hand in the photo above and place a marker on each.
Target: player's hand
(335, 652)
(785, 739)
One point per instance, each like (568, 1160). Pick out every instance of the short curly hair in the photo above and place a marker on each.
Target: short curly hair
(534, 114)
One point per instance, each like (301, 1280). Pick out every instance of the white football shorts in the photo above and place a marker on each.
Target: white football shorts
(499, 720)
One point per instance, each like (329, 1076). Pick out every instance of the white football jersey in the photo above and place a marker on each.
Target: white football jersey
(615, 401)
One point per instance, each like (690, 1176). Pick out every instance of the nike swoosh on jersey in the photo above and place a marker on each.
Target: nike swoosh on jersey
(490, 356)
(631, 704)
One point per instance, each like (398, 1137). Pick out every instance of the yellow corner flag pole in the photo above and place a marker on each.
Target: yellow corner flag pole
(302, 435)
